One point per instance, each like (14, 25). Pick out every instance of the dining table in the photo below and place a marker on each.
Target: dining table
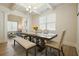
(40, 38)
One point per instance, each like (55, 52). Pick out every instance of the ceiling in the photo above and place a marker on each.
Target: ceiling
(7, 5)
(36, 8)
(39, 8)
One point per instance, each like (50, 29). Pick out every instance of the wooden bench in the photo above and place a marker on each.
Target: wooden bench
(25, 44)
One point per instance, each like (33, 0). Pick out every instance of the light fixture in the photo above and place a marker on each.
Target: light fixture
(27, 9)
(30, 8)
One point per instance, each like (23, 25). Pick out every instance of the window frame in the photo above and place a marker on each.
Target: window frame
(11, 28)
(46, 23)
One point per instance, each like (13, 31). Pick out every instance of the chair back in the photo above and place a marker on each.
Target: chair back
(61, 40)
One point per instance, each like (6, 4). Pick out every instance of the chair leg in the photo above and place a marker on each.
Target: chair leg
(35, 51)
(50, 51)
(26, 52)
(14, 42)
(62, 51)
(46, 51)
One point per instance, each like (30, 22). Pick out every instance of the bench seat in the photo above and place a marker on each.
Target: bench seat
(24, 43)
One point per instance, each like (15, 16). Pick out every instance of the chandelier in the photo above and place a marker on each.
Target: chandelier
(30, 8)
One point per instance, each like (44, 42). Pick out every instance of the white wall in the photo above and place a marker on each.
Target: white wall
(3, 34)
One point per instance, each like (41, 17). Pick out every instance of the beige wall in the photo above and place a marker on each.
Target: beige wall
(67, 20)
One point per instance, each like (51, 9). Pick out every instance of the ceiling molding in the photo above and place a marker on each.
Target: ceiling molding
(14, 18)
(55, 5)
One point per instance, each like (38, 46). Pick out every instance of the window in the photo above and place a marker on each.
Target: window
(12, 26)
(42, 22)
(47, 22)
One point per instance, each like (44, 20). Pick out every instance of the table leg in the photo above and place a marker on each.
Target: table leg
(40, 43)
(30, 38)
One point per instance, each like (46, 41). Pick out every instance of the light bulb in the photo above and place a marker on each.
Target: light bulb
(27, 9)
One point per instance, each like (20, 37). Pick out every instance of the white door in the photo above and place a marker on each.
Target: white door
(1, 27)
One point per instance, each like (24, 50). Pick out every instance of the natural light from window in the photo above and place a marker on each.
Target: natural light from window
(47, 22)
(12, 26)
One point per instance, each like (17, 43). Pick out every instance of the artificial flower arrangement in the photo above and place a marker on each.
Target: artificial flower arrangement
(35, 28)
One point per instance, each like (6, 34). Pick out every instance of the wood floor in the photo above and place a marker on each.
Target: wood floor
(9, 50)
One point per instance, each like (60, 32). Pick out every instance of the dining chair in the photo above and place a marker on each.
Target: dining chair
(58, 45)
